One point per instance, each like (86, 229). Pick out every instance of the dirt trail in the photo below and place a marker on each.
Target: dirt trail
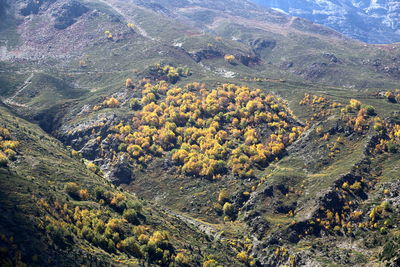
(22, 88)
(10, 100)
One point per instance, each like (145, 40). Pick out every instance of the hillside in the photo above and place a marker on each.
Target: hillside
(194, 133)
(58, 210)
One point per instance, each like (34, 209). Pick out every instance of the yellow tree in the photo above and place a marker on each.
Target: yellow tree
(129, 83)
(230, 58)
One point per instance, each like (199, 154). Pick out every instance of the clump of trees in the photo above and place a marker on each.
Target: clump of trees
(319, 105)
(111, 102)
(114, 224)
(358, 116)
(390, 137)
(170, 73)
(8, 147)
(208, 133)
(393, 96)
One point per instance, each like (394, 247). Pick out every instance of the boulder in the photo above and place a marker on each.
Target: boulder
(120, 172)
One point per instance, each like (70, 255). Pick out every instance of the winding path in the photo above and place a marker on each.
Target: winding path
(10, 100)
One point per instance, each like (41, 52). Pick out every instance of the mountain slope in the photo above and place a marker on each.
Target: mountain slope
(369, 21)
(253, 137)
(45, 221)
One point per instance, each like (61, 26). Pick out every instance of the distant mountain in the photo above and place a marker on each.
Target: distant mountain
(194, 133)
(371, 21)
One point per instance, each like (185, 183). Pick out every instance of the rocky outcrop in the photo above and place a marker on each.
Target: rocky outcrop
(314, 71)
(34, 6)
(120, 172)
(206, 54)
(249, 60)
(259, 45)
(67, 14)
(78, 135)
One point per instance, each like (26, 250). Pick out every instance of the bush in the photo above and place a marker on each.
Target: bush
(134, 104)
(101, 241)
(129, 83)
(119, 202)
(60, 235)
(99, 192)
(391, 147)
(229, 58)
(210, 263)
(111, 103)
(229, 210)
(11, 154)
(143, 238)
(355, 104)
(122, 147)
(182, 260)
(135, 204)
(92, 167)
(391, 97)
(130, 246)
(3, 160)
(356, 186)
(218, 208)
(115, 224)
(370, 110)
(158, 247)
(243, 257)
(223, 196)
(131, 216)
(83, 194)
(72, 189)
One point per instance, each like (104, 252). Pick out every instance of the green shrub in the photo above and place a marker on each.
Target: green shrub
(72, 189)
(370, 110)
(130, 246)
(134, 104)
(131, 216)
(392, 147)
(60, 235)
(229, 210)
(99, 192)
(390, 249)
(135, 204)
